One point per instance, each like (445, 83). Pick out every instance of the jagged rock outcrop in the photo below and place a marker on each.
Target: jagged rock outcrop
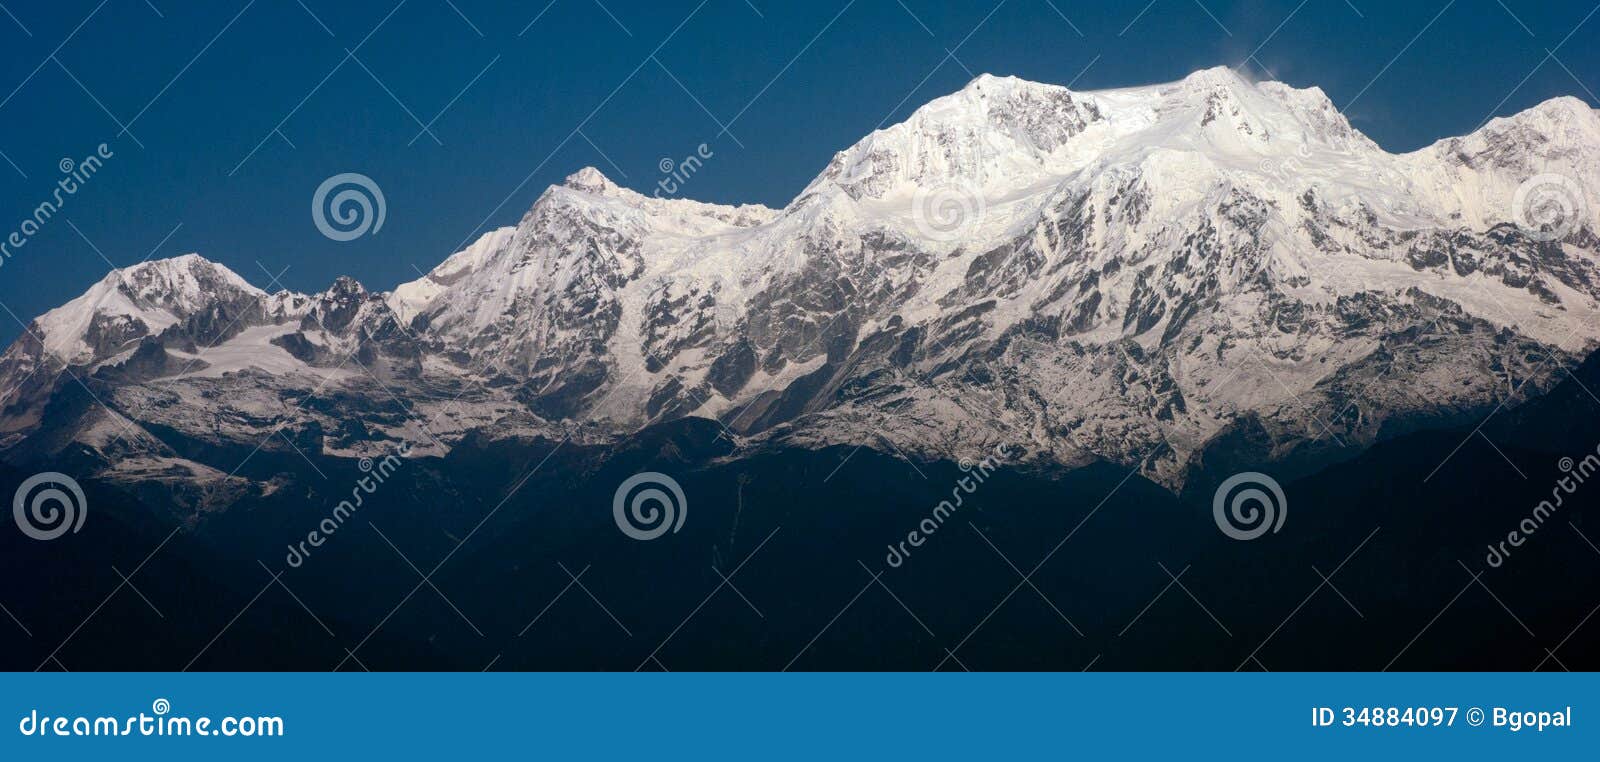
(1125, 275)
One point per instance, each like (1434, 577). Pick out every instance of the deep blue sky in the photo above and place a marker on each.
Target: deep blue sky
(796, 80)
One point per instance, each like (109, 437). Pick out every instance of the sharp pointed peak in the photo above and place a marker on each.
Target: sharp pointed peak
(987, 86)
(344, 285)
(590, 180)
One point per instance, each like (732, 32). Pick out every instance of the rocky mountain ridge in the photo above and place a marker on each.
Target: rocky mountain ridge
(1128, 275)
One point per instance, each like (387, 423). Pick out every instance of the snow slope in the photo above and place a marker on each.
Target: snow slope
(1129, 275)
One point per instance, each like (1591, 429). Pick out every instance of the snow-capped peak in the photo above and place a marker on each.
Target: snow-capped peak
(143, 299)
(999, 137)
(184, 277)
(1124, 263)
(996, 131)
(590, 180)
(1565, 124)
(1216, 75)
(1476, 177)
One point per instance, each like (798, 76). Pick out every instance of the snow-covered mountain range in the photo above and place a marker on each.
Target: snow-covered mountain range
(1129, 275)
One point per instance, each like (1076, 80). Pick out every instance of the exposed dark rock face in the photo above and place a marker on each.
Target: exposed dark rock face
(1125, 277)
